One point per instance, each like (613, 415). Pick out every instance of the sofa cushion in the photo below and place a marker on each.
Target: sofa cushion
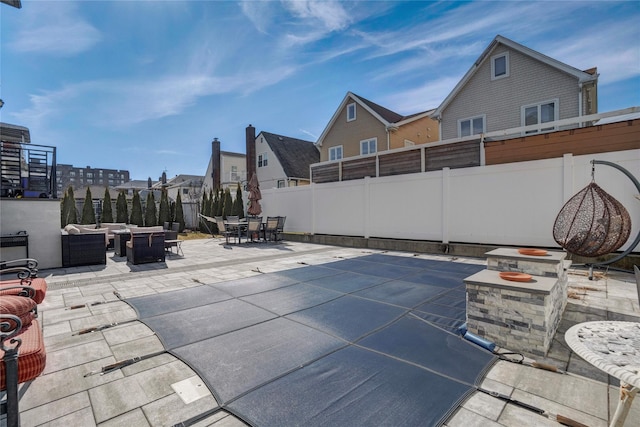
(37, 283)
(21, 307)
(31, 355)
(72, 229)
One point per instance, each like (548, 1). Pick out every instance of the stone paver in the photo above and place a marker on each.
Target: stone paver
(141, 394)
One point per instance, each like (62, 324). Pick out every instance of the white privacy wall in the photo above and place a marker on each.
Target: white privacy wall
(510, 204)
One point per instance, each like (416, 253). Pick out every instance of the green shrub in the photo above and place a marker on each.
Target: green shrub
(150, 211)
(136, 210)
(88, 214)
(107, 210)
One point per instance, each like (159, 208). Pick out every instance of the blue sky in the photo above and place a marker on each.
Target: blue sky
(146, 85)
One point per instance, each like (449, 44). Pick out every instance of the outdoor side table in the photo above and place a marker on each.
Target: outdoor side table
(168, 244)
(120, 239)
(613, 347)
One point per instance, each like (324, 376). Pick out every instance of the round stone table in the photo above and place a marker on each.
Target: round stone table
(613, 347)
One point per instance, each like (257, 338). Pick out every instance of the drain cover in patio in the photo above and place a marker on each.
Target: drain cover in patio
(364, 341)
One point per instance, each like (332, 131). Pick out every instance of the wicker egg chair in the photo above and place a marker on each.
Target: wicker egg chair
(592, 223)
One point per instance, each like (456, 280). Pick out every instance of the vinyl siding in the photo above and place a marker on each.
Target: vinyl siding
(529, 82)
(421, 131)
(349, 134)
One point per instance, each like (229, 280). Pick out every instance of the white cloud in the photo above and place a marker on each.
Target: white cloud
(313, 136)
(125, 103)
(609, 51)
(429, 95)
(330, 15)
(57, 29)
(260, 13)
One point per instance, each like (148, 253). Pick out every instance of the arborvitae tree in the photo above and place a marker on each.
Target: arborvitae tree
(213, 208)
(172, 213)
(63, 213)
(238, 205)
(179, 213)
(206, 204)
(150, 211)
(227, 207)
(220, 210)
(107, 210)
(122, 211)
(136, 210)
(88, 214)
(164, 214)
(72, 211)
(205, 208)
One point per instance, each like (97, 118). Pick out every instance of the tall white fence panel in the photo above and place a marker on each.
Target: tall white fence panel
(510, 204)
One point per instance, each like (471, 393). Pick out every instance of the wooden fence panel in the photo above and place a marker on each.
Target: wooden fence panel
(326, 173)
(358, 168)
(400, 163)
(619, 136)
(460, 155)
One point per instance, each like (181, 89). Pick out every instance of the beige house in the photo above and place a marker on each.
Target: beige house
(360, 127)
(510, 86)
(189, 187)
(232, 169)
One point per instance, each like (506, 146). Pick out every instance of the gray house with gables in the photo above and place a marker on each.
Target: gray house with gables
(510, 86)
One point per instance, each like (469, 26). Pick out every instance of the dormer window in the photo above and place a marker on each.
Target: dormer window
(500, 66)
(351, 112)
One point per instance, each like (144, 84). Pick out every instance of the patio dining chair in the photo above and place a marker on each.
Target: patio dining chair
(271, 228)
(232, 218)
(254, 227)
(280, 228)
(222, 229)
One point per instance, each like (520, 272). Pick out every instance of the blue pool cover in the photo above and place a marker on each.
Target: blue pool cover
(357, 342)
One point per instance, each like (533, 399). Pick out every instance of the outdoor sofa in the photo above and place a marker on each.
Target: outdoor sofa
(83, 246)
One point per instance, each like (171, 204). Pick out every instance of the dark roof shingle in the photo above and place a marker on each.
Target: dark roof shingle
(295, 155)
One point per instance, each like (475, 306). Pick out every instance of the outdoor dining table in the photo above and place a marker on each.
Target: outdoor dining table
(613, 347)
(238, 225)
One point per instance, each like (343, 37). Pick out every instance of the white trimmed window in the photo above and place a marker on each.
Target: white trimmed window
(281, 183)
(262, 160)
(351, 112)
(500, 66)
(471, 126)
(335, 153)
(368, 146)
(537, 114)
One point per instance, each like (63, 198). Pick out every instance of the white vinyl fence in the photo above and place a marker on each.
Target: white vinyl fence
(510, 204)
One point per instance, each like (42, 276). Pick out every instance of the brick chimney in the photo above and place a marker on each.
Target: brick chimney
(215, 160)
(251, 151)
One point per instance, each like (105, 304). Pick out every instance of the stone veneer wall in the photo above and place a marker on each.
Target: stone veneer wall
(518, 316)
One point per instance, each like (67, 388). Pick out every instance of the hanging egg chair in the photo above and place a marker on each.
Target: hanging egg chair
(592, 223)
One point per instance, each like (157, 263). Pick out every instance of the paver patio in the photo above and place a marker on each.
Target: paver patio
(162, 390)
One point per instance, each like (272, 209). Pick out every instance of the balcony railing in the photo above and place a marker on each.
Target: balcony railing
(27, 170)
